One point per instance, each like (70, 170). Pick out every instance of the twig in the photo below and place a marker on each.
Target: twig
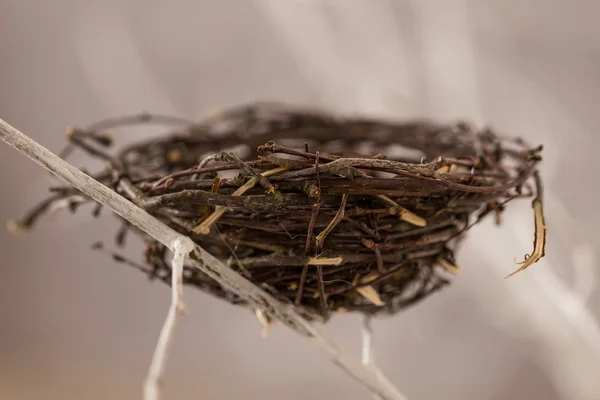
(368, 358)
(204, 227)
(157, 367)
(539, 242)
(339, 215)
(367, 345)
(203, 260)
(247, 169)
(404, 213)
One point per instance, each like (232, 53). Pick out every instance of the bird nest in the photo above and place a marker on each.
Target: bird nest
(332, 214)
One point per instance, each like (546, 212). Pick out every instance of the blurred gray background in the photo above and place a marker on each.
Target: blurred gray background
(75, 325)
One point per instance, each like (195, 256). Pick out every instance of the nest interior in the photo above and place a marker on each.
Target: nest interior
(329, 213)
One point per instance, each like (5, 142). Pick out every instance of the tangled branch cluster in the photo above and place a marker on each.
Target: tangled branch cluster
(331, 214)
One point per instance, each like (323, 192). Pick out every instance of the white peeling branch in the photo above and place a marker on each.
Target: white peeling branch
(159, 359)
(368, 353)
(258, 298)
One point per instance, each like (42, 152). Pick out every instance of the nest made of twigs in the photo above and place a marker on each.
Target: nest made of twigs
(331, 214)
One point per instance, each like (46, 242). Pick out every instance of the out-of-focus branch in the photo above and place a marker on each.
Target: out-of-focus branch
(368, 358)
(255, 296)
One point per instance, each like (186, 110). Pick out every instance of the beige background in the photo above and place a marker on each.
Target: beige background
(74, 325)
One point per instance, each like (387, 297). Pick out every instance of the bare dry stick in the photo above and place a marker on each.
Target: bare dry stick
(404, 214)
(368, 358)
(203, 260)
(367, 344)
(539, 243)
(159, 360)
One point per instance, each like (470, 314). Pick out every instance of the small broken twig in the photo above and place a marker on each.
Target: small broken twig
(204, 227)
(539, 241)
